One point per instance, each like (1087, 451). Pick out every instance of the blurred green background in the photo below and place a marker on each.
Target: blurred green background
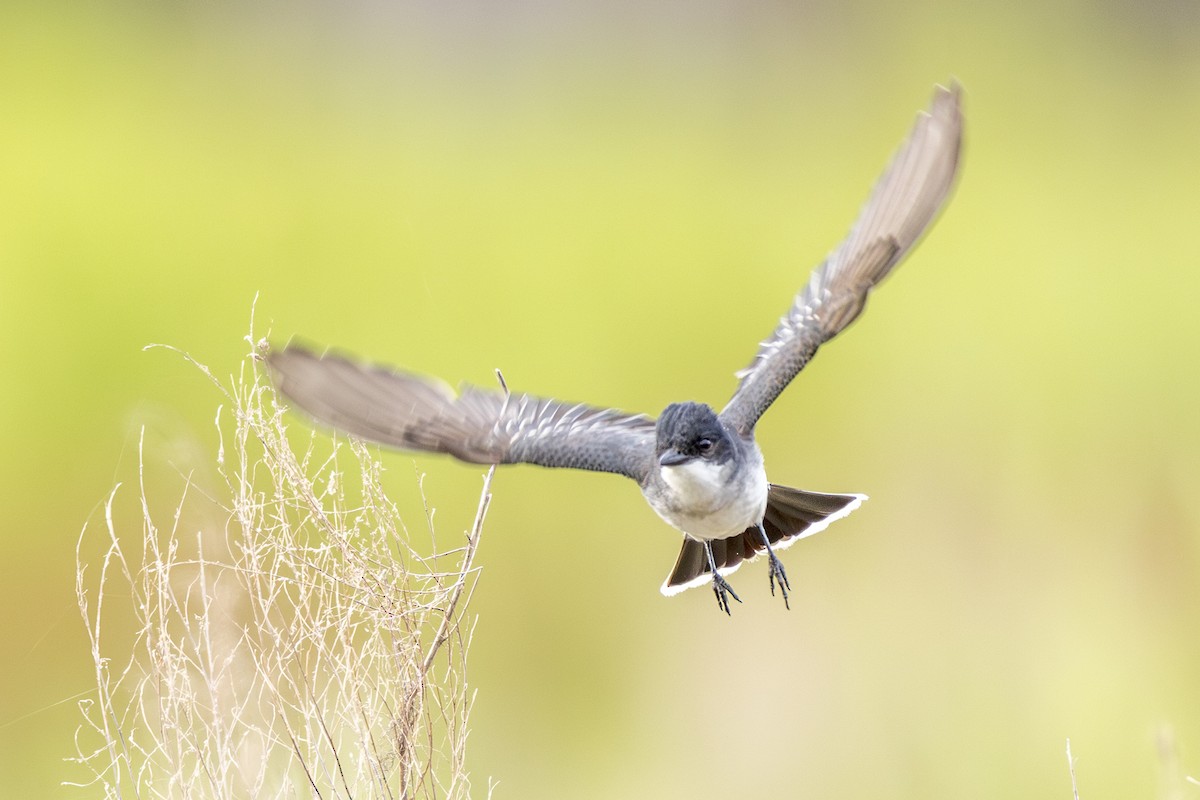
(613, 202)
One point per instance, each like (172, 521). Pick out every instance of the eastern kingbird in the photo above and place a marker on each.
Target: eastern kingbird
(700, 470)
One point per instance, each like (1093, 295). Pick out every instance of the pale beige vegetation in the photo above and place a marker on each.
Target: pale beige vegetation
(294, 645)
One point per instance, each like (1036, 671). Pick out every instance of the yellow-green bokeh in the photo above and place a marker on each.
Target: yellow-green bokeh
(613, 202)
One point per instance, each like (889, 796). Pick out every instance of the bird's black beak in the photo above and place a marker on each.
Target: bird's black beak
(672, 458)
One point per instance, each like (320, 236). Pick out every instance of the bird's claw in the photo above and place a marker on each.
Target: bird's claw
(723, 591)
(778, 573)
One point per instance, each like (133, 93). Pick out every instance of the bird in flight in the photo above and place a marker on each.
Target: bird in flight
(699, 469)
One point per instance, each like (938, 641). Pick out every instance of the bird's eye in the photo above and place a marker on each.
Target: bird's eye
(704, 445)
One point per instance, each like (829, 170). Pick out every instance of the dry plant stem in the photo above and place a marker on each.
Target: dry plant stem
(1071, 768)
(485, 500)
(286, 639)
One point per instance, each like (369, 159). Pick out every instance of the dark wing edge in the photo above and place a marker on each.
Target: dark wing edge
(901, 207)
(413, 412)
(792, 515)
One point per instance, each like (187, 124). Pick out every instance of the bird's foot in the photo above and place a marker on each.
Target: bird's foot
(721, 587)
(776, 570)
(778, 573)
(723, 591)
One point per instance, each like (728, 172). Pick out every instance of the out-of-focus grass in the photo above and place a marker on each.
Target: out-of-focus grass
(613, 203)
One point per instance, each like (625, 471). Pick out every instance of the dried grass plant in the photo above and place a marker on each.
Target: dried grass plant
(297, 647)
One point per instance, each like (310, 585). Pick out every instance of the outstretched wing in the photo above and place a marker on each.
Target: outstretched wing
(413, 412)
(904, 202)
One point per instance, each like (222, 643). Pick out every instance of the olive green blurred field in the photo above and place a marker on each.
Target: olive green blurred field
(614, 203)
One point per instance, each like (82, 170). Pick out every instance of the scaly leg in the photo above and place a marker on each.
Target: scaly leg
(776, 567)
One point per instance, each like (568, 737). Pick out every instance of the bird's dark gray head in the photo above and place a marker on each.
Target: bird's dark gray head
(688, 431)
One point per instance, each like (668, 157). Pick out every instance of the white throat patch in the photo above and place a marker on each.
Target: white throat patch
(706, 501)
(697, 484)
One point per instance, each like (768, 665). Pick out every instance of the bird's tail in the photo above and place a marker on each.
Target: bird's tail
(791, 515)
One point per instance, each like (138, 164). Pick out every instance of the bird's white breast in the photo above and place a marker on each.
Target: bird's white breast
(713, 501)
